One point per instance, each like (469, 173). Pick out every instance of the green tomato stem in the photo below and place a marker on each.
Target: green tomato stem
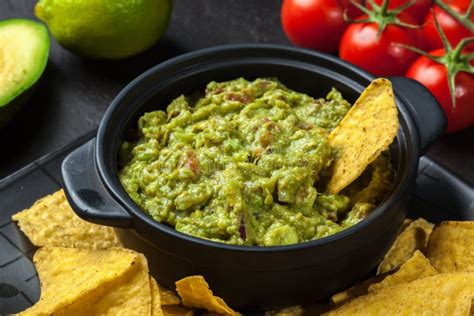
(458, 50)
(464, 19)
(360, 7)
(446, 44)
(404, 6)
(469, 56)
(384, 8)
(436, 59)
(407, 25)
(381, 15)
(453, 59)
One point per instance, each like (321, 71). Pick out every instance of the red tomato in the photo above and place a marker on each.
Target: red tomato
(316, 24)
(417, 10)
(382, 56)
(434, 77)
(351, 10)
(454, 30)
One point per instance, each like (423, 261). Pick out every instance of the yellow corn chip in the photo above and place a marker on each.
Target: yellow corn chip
(195, 292)
(127, 295)
(413, 237)
(51, 222)
(417, 267)
(130, 296)
(364, 133)
(155, 298)
(357, 290)
(406, 222)
(68, 275)
(441, 294)
(305, 310)
(168, 297)
(288, 311)
(177, 310)
(407, 242)
(451, 247)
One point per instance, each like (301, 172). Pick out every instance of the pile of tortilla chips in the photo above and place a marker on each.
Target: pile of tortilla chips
(428, 270)
(83, 270)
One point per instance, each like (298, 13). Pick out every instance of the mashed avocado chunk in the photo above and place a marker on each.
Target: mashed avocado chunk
(241, 164)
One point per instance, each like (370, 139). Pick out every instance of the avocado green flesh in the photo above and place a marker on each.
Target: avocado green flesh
(241, 164)
(24, 49)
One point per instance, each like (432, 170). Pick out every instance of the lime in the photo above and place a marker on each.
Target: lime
(105, 29)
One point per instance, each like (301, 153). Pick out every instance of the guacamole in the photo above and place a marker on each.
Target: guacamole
(245, 163)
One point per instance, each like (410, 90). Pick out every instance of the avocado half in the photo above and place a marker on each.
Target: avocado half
(24, 51)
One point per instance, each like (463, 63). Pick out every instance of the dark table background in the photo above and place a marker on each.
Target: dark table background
(74, 92)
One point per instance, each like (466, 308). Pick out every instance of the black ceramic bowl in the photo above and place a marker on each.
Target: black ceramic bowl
(250, 277)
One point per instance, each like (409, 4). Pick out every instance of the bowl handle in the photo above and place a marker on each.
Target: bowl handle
(86, 193)
(424, 109)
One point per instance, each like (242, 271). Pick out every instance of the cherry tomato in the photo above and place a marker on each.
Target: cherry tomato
(417, 10)
(316, 24)
(380, 56)
(351, 10)
(454, 30)
(433, 76)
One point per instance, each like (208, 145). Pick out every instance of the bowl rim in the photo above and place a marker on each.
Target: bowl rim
(117, 192)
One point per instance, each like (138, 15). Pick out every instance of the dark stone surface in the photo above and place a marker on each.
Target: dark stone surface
(74, 92)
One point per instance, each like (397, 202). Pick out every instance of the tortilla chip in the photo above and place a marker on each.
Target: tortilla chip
(451, 247)
(51, 222)
(406, 222)
(364, 133)
(168, 297)
(316, 308)
(128, 295)
(357, 290)
(417, 267)
(289, 311)
(413, 237)
(67, 275)
(177, 310)
(195, 292)
(441, 294)
(155, 298)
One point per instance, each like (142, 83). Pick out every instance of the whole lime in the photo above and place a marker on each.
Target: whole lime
(105, 29)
